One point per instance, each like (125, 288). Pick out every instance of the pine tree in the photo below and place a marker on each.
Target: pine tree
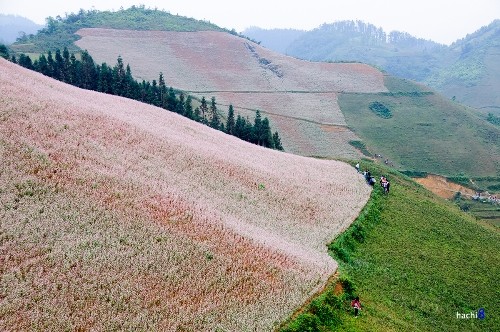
(204, 110)
(4, 52)
(197, 115)
(257, 128)
(214, 116)
(50, 64)
(188, 108)
(89, 74)
(265, 136)
(119, 77)
(43, 66)
(74, 70)
(155, 93)
(277, 141)
(239, 127)
(171, 100)
(163, 91)
(230, 121)
(179, 107)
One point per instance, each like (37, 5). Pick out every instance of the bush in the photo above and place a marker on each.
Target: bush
(333, 300)
(340, 253)
(304, 323)
(358, 232)
(348, 286)
(380, 110)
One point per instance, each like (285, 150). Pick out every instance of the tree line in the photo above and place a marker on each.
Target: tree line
(117, 80)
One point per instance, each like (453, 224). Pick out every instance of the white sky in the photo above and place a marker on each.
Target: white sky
(442, 21)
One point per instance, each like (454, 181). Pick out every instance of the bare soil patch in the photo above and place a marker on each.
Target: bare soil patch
(442, 187)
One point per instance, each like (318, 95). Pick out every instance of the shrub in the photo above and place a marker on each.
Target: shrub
(380, 110)
(306, 322)
(348, 286)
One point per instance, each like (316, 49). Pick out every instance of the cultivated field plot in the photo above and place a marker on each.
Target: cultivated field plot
(240, 72)
(116, 215)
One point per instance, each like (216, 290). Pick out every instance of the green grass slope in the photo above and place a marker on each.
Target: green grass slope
(415, 260)
(424, 132)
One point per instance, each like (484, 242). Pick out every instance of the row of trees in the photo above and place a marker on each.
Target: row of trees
(118, 80)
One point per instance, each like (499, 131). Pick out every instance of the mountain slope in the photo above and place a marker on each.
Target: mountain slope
(298, 97)
(466, 71)
(301, 99)
(119, 215)
(474, 77)
(13, 27)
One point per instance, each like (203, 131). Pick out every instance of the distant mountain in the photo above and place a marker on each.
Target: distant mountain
(275, 39)
(13, 27)
(473, 77)
(356, 41)
(467, 71)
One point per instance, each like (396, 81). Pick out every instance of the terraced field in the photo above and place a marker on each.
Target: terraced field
(298, 97)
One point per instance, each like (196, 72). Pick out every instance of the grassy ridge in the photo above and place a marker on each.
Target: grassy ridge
(426, 132)
(415, 260)
(59, 32)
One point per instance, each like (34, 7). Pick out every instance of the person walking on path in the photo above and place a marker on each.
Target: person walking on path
(356, 305)
(357, 167)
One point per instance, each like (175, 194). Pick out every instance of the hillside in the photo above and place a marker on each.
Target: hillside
(474, 77)
(424, 131)
(298, 97)
(415, 260)
(318, 108)
(116, 215)
(13, 27)
(467, 70)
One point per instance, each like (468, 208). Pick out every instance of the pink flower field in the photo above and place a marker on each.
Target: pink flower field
(117, 215)
(239, 72)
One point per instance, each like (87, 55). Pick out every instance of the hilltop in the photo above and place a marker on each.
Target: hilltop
(60, 31)
(120, 215)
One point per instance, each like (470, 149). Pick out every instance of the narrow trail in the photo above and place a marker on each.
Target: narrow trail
(334, 125)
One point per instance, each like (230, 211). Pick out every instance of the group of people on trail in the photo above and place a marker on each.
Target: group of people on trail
(384, 183)
(369, 178)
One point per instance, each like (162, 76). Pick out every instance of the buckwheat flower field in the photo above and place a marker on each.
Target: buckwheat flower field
(116, 215)
(299, 97)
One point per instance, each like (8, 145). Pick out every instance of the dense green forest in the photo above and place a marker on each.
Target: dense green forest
(118, 80)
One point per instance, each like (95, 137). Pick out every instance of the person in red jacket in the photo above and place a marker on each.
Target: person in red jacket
(356, 305)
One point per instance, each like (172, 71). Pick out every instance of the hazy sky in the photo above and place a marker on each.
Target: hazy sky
(443, 21)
